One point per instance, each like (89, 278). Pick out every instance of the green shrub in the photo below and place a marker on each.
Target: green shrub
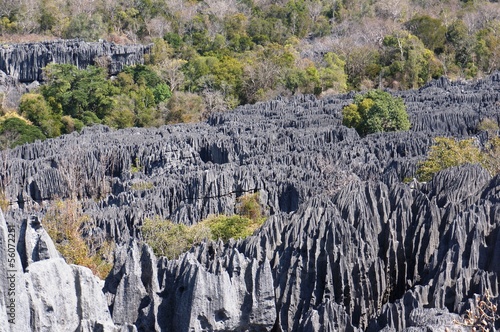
(169, 239)
(15, 131)
(249, 206)
(143, 185)
(70, 124)
(376, 111)
(231, 227)
(136, 166)
(491, 153)
(488, 125)
(448, 152)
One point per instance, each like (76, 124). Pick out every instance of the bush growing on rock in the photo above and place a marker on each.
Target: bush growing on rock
(488, 125)
(376, 111)
(34, 107)
(448, 152)
(170, 239)
(64, 222)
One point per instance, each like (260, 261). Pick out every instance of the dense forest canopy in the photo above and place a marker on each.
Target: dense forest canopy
(216, 54)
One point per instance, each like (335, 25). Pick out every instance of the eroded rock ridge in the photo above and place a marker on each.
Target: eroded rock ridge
(25, 61)
(348, 246)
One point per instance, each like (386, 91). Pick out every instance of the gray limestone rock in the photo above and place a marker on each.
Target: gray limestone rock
(347, 245)
(25, 62)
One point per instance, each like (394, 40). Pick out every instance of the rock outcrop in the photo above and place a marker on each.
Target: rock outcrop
(21, 65)
(25, 61)
(43, 293)
(347, 246)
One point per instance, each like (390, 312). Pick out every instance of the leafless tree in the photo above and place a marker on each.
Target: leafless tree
(221, 8)
(214, 101)
(170, 71)
(157, 27)
(28, 15)
(392, 9)
(262, 75)
(314, 8)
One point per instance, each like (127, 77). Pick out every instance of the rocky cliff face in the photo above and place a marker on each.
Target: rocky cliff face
(347, 246)
(21, 64)
(25, 62)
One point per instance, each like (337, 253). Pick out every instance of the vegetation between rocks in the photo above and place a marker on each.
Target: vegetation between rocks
(65, 223)
(449, 152)
(376, 111)
(211, 56)
(170, 239)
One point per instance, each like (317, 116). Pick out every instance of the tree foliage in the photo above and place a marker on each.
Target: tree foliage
(229, 53)
(449, 152)
(376, 111)
(65, 223)
(15, 131)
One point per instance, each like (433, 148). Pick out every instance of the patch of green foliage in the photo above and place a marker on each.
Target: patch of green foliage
(143, 185)
(170, 239)
(231, 227)
(488, 125)
(213, 56)
(72, 98)
(136, 166)
(440, 41)
(15, 131)
(449, 152)
(376, 111)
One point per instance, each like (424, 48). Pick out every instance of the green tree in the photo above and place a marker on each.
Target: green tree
(70, 124)
(487, 48)
(72, 91)
(34, 108)
(161, 93)
(376, 111)
(122, 114)
(431, 31)
(15, 131)
(407, 60)
(332, 75)
(89, 28)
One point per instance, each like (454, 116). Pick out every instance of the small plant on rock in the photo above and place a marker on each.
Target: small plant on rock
(170, 239)
(64, 222)
(448, 152)
(488, 125)
(482, 316)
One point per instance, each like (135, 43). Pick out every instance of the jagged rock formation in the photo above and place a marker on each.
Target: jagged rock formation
(347, 246)
(47, 294)
(21, 64)
(25, 62)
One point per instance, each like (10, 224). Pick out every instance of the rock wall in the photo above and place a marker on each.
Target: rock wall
(347, 246)
(25, 62)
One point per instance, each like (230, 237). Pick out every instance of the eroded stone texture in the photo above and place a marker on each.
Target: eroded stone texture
(25, 62)
(347, 245)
